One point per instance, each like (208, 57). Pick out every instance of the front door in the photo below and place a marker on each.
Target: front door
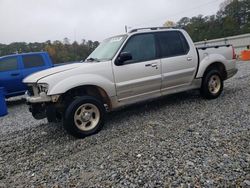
(139, 78)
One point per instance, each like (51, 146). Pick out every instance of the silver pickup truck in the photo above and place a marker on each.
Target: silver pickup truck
(143, 64)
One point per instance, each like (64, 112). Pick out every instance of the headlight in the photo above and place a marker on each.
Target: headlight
(43, 88)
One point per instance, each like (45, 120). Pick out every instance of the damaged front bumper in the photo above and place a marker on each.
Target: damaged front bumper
(44, 110)
(41, 98)
(43, 106)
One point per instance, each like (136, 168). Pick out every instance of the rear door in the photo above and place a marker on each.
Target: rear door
(178, 60)
(10, 75)
(32, 63)
(139, 78)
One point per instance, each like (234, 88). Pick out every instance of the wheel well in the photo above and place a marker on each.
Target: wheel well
(89, 90)
(218, 66)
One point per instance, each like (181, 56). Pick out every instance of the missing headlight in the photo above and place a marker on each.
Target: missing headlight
(43, 88)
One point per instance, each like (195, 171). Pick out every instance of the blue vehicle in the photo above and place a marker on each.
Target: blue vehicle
(14, 68)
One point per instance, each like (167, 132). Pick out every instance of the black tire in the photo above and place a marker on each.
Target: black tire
(205, 89)
(72, 119)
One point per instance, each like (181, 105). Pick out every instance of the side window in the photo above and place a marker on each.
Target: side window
(142, 48)
(172, 43)
(30, 61)
(8, 64)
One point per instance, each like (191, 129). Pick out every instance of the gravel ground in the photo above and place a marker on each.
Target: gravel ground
(179, 141)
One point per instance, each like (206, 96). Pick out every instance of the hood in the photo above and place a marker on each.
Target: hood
(33, 78)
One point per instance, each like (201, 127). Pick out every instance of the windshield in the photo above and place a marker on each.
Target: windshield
(107, 49)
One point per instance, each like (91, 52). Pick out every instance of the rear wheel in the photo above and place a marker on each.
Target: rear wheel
(212, 84)
(84, 116)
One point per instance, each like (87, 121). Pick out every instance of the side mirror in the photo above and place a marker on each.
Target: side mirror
(124, 56)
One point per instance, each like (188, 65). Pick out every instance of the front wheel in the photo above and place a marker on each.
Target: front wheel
(84, 116)
(212, 85)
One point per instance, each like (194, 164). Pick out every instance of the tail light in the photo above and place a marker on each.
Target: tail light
(234, 54)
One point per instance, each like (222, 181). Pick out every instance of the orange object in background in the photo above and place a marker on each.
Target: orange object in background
(245, 55)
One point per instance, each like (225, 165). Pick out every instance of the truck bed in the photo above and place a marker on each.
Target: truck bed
(219, 49)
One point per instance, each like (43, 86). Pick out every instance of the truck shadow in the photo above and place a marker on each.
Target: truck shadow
(46, 134)
(114, 120)
(153, 105)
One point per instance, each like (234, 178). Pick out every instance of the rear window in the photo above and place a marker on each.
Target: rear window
(172, 43)
(8, 64)
(30, 61)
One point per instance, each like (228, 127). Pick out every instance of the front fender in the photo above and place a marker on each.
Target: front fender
(80, 80)
(208, 60)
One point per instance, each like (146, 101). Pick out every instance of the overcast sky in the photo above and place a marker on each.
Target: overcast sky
(41, 20)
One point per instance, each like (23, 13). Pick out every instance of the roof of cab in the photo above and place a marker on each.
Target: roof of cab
(152, 29)
(29, 53)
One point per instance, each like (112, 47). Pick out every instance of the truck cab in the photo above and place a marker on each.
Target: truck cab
(14, 68)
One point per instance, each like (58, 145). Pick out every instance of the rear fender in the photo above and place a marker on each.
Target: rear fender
(209, 60)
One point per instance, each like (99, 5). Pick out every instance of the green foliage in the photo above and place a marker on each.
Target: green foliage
(60, 52)
(232, 19)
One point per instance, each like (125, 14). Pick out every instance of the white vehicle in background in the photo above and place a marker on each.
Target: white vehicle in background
(144, 64)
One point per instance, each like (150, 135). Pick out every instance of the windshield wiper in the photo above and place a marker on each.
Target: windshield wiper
(91, 59)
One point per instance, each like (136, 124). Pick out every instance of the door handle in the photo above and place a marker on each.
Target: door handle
(189, 59)
(151, 65)
(15, 74)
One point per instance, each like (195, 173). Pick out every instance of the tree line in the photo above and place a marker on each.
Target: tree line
(59, 51)
(233, 18)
